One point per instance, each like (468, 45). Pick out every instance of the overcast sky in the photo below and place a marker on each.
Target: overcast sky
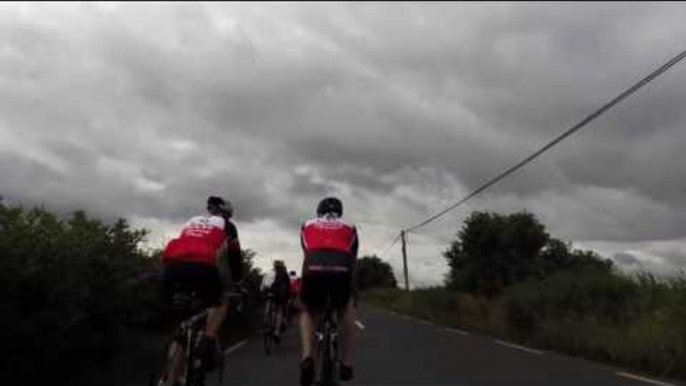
(142, 110)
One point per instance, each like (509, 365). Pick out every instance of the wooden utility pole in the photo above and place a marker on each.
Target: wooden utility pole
(407, 282)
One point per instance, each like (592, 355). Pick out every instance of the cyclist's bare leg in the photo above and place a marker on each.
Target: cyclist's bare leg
(215, 319)
(307, 323)
(347, 333)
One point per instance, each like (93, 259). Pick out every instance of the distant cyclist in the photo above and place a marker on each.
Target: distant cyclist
(330, 250)
(282, 290)
(296, 284)
(278, 284)
(191, 260)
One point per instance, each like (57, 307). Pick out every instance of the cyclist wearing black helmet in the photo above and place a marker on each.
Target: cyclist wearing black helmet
(330, 247)
(191, 259)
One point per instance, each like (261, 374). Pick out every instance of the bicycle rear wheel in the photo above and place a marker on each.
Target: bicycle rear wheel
(268, 327)
(326, 357)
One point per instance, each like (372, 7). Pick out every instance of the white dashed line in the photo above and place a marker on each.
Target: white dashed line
(235, 347)
(456, 331)
(518, 347)
(642, 379)
(359, 325)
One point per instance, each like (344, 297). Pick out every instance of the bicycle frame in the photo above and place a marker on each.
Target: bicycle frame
(187, 336)
(268, 324)
(192, 331)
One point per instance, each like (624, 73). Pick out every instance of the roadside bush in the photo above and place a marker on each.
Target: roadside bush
(68, 287)
(589, 295)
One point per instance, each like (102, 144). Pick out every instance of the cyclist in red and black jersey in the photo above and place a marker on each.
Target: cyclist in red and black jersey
(330, 250)
(191, 260)
(281, 290)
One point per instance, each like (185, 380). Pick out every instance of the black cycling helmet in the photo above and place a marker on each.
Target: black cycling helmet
(217, 204)
(330, 205)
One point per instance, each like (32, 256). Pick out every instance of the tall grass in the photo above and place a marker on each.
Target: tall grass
(637, 321)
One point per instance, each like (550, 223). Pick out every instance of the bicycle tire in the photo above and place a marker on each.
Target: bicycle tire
(326, 369)
(195, 374)
(268, 328)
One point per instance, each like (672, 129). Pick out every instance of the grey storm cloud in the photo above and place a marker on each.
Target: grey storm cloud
(141, 110)
(626, 259)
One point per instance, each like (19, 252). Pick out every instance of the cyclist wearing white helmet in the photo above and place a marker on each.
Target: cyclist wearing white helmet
(190, 261)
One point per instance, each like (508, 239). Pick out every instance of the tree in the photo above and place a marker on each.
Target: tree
(252, 276)
(558, 255)
(494, 251)
(372, 272)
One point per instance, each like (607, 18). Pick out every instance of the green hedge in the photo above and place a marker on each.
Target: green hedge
(68, 288)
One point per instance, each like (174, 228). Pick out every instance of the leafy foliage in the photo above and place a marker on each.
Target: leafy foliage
(494, 251)
(372, 272)
(252, 276)
(70, 284)
(72, 289)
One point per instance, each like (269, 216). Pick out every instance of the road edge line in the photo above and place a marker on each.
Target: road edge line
(456, 331)
(643, 379)
(518, 347)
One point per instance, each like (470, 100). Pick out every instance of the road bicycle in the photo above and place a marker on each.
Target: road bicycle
(187, 338)
(269, 323)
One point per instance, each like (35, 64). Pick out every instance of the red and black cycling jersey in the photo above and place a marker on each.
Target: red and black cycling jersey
(296, 284)
(329, 244)
(200, 241)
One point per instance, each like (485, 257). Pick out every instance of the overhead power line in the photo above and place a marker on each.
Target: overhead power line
(388, 247)
(554, 142)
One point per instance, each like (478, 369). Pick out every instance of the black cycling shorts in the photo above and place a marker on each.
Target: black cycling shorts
(318, 286)
(201, 278)
(281, 294)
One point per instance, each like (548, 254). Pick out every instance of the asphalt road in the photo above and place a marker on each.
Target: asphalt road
(397, 350)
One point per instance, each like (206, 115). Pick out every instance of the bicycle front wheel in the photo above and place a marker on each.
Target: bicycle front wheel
(268, 328)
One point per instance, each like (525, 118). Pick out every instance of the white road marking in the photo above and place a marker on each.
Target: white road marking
(359, 325)
(518, 347)
(642, 379)
(456, 331)
(235, 347)
(424, 322)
